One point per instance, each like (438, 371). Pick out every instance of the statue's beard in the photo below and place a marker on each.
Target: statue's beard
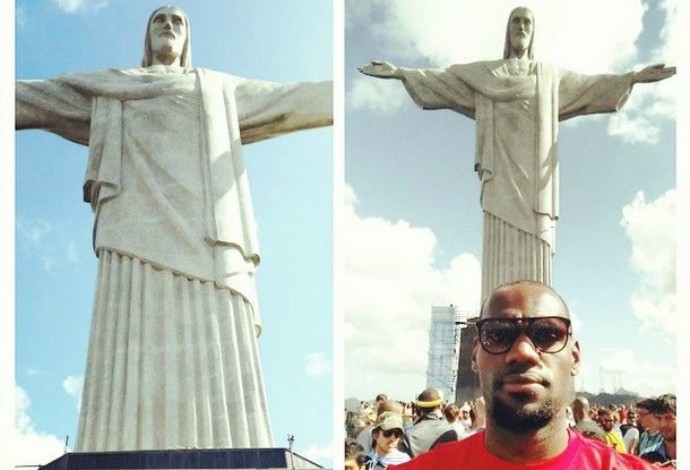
(523, 418)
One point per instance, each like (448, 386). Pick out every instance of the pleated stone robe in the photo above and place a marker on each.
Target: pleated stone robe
(172, 360)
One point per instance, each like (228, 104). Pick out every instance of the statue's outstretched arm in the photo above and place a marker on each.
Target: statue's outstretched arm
(381, 69)
(653, 73)
(53, 106)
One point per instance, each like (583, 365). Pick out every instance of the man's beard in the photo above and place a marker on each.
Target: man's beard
(522, 420)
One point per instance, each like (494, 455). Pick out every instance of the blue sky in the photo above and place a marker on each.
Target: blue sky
(413, 200)
(291, 182)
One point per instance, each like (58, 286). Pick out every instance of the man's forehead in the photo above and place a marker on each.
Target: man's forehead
(524, 300)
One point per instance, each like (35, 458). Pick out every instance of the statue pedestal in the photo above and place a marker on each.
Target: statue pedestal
(273, 458)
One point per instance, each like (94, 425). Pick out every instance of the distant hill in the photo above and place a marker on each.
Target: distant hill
(624, 397)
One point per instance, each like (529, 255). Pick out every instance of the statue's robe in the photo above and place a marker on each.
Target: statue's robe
(517, 106)
(172, 359)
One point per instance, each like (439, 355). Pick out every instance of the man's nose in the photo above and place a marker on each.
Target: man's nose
(522, 350)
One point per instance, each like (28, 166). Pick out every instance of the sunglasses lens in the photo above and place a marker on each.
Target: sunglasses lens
(392, 432)
(498, 336)
(549, 334)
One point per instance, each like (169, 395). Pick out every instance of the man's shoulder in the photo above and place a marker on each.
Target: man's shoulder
(430, 425)
(457, 454)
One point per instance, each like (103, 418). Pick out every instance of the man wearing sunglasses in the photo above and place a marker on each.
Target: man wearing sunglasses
(386, 437)
(526, 358)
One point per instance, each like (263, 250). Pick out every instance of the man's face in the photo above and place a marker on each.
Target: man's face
(168, 31)
(525, 388)
(647, 419)
(386, 441)
(667, 425)
(520, 28)
(607, 422)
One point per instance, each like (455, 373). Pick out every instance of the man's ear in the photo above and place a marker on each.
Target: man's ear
(575, 368)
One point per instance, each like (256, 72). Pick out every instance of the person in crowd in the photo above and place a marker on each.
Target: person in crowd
(583, 423)
(649, 425)
(477, 416)
(665, 451)
(385, 439)
(354, 455)
(465, 417)
(380, 398)
(364, 438)
(452, 414)
(409, 416)
(431, 428)
(611, 435)
(355, 423)
(525, 357)
(631, 434)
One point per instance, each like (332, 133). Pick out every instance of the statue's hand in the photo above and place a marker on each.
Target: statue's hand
(653, 73)
(380, 69)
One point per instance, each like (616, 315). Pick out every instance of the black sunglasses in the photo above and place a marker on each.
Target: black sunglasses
(547, 334)
(390, 432)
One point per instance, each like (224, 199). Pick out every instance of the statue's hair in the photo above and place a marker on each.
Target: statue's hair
(185, 58)
(530, 48)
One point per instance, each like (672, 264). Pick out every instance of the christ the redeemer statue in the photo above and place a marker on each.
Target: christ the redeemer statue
(517, 104)
(172, 360)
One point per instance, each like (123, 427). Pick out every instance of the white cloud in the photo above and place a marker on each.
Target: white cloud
(633, 129)
(651, 227)
(32, 447)
(320, 454)
(34, 232)
(39, 237)
(383, 96)
(588, 36)
(390, 284)
(75, 6)
(74, 386)
(446, 31)
(33, 372)
(317, 365)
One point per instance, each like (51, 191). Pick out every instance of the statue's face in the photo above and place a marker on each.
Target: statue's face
(168, 32)
(521, 26)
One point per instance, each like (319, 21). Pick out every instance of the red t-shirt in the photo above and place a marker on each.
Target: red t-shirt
(470, 453)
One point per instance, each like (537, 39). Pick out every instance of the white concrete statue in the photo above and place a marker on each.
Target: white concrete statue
(172, 358)
(517, 103)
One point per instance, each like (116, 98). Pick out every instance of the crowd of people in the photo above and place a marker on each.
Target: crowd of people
(525, 357)
(645, 428)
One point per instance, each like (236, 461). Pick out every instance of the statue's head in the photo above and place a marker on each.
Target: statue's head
(167, 38)
(519, 34)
